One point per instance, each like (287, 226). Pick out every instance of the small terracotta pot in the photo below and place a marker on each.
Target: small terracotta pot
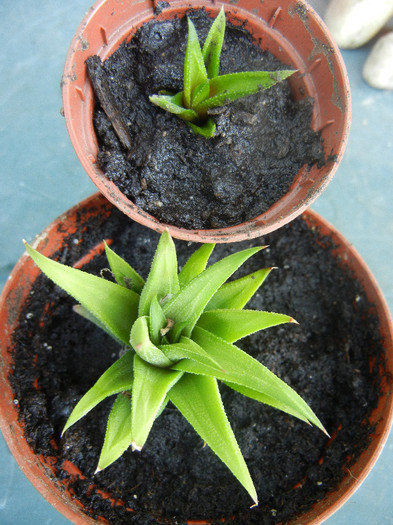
(289, 29)
(42, 472)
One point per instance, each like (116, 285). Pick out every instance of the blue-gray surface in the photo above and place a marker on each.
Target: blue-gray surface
(41, 177)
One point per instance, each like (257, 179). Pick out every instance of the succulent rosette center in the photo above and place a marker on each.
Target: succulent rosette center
(179, 330)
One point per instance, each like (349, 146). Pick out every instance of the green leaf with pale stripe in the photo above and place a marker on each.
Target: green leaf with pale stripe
(118, 431)
(236, 294)
(227, 88)
(123, 272)
(194, 66)
(195, 264)
(200, 369)
(173, 104)
(267, 400)
(200, 93)
(157, 321)
(199, 400)
(233, 325)
(118, 378)
(81, 310)
(188, 349)
(143, 346)
(242, 369)
(111, 304)
(162, 280)
(149, 391)
(212, 47)
(188, 304)
(204, 88)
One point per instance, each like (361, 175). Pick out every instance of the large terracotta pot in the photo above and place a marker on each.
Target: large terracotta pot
(289, 29)
(42, 471)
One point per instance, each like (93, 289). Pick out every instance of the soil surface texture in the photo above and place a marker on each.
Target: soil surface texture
(326, 358)
(184, 179)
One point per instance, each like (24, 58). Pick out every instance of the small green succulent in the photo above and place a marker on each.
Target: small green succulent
(203, 88)
(178, 330)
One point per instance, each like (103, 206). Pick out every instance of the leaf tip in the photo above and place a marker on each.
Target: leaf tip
(325, 431)
(190, 23)
(255, 504)
(66, 427)
(97, 470)
(135, 447)
(292, 320)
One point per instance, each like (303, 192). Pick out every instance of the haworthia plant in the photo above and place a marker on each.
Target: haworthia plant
(203, 87)
(180, 331)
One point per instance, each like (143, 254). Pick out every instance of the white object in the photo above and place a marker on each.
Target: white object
(354, 22)
(378, 68)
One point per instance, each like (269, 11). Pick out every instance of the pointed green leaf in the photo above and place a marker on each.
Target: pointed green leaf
(209, 368)
(198, 368)
(206, 130)
(267, 400)
(195, 264)
(199, 400)
(188, 304)
(111, 304)
(117, 378)
(188, 349)
(81, 310)
(200, 93)
(141, 343)
(162, 279)
(194, 67)
(213, 44)
(176, 332)
(149, 391)
(236, 294)
(157, 321)
(233, 325)
(118, 431)
(242, 369)
(170, 103)
(226, 88)
(123, 272)
(163, 406)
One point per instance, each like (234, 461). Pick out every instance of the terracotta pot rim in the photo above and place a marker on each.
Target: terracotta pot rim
(357, 264)
(305, 189)
(37, 473)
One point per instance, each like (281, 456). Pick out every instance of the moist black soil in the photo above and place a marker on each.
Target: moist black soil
(331, 358)
(182, 178)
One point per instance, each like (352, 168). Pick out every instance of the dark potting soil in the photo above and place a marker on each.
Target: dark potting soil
(182, 178)
(326, 358)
